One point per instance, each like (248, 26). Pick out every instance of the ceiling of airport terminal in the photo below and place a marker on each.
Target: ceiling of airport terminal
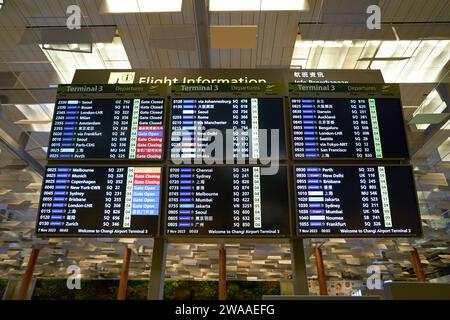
(28, 75)
(276, 31)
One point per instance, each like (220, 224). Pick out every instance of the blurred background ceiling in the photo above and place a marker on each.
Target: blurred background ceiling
(37, 52)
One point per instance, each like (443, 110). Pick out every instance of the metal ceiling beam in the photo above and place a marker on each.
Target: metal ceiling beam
(201, 17)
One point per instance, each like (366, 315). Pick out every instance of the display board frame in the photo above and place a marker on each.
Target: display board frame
(224, 238)
(111, 91)
(348, 91)
(229, 90)
(296, 220)
(225, 90)
(162, 203)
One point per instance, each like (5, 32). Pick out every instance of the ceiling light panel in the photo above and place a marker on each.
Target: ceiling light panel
(444, 150)
(433, 104)
(399, 61)
(258, 5)
(37, 117)
(283, 5)
(143, 6)
(104, 56)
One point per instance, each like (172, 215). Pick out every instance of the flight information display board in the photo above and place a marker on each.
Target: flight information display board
(100, 201)
(356, 201)
(227, 202)
(108, 122)
(347, 121)
(241, 126)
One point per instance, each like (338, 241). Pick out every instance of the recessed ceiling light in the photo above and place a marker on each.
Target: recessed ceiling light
(133, 6)
(258, 5)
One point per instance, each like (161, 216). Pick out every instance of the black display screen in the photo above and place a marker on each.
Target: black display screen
(120, 128)
(348, 128)
(227, 202)
(100, 202)
(250, 128)
(356, 201)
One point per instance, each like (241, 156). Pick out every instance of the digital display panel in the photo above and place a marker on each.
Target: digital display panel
(356, 201)
(227, 202)
(100, 201)
(249, 128)
(330, 125)
(119, 127)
